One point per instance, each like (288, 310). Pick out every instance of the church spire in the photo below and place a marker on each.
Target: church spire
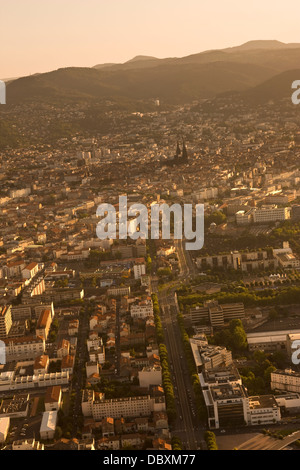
(184, 152)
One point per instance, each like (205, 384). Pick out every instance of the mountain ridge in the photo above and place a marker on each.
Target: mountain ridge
(172, 80)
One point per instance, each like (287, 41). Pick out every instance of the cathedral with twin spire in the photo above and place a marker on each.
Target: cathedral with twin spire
(181, 155)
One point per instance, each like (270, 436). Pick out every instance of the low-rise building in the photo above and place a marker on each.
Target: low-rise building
(16, 407)
(285, 380)
(215, 314)
(98, 407)
(48, 425)
(53, 398)
(263, 410)
(150, 376)
(4, 428)
(27, 444)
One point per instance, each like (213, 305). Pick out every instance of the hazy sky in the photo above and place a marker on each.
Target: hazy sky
(42, 35)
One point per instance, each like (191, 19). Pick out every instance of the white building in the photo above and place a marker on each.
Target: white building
(4, 428)
(19, 193)
(142, 309)
(27, 444)
(263, 410)
(286, 380)
(290, 402)
(9, 381)
(269, 214)
(48, 425)
(116, 291)
(243, 217)
(209, 357)
(99, 408)
(228, 403)
(97, 355)
(139, 270)
(30, 271)
(286, 257)
(21, 349)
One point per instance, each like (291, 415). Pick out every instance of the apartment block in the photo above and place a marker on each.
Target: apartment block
(5, 321)
(116, 291)
(44, 324)
(285, 380)
(142, 309)
(247, 261)
(216, 315)
(24, 349)
(209, 357)
(98, 407)
(268, 214)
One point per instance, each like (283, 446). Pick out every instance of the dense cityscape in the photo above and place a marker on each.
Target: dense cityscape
(123, 344)
(149, 230)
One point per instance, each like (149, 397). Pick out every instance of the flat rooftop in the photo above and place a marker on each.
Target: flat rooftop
(16, 405)
(264, 401)
(227, 391)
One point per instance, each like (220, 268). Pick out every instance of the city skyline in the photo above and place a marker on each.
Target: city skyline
(54, 35)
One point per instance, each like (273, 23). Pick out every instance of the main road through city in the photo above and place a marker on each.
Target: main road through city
(187, 426)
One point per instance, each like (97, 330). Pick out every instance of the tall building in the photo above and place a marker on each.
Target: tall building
(44, 324)
(5, 321)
